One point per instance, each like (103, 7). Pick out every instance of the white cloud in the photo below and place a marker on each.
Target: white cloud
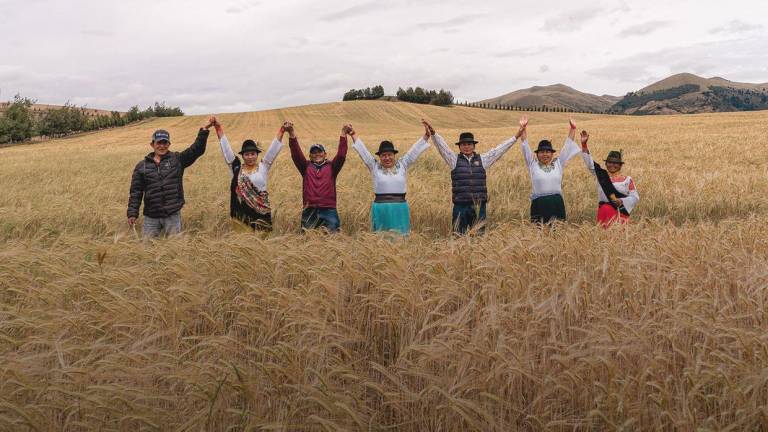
(247, 54)
(736, 27)
(644, 28)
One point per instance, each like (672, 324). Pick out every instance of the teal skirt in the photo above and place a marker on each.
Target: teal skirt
(392, 216)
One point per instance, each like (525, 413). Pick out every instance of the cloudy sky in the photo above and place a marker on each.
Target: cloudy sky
(242, 55)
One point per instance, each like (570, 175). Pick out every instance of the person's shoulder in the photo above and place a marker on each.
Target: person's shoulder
(140, 163)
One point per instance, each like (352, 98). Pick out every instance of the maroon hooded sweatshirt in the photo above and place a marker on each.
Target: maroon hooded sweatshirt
(319, 180)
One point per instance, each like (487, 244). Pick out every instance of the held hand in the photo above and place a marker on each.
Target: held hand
(428, 127)
(584, 138)
(523, 125)
(131, 221)
(211, 122)
(288, 126)
(572, 123)
(351, 131)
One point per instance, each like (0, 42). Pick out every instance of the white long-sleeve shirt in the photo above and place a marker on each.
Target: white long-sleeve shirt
(488, 158)
(623, 184)
(259, 177)
(545, 183)
(395, 179)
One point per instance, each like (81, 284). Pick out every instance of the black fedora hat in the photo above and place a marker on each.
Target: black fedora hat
(545, 145)
(386, 146)
(250, 146)
(466, 137)
(615, 157)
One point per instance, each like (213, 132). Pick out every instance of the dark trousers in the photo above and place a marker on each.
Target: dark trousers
(465, 216)
(315, 217)
(547, 209)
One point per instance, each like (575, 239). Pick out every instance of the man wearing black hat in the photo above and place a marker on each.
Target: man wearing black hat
(468, 176)
(158, 181)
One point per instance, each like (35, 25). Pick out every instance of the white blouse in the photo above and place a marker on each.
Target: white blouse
(393, 180)
(623, 184)
(544, 183)
(259, 177)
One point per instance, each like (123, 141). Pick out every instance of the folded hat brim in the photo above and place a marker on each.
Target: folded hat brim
(467, 142)
(378, 153)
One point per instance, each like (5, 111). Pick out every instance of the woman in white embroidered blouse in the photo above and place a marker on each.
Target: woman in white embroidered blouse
(616, 193)
(546, 172)
(249, 200)
(390, 211)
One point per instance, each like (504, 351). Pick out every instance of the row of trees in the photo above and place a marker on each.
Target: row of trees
(411, 94)
(422, 96)
(370, 93)
(20, 122)
(542, 108)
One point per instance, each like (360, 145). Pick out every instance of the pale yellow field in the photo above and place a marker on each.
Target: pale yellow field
(660, 325)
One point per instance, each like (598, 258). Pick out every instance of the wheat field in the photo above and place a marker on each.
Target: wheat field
(658, 325)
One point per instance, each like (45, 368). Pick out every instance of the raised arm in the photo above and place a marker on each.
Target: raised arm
(341, 156)
(191, 153)
(527, 153)
(418, 148)
(585, 156)
(365, 154)
(448, 156)
(275, 147)
(296, 155)
(226, 148)
(570, 148)
(491, 156)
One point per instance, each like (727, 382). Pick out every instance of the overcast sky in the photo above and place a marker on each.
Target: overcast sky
(244, 55)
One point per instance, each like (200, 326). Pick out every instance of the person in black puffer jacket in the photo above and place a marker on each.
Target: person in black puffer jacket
(158, 180)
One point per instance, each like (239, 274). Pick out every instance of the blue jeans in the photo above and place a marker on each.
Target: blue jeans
(155, 227)
(315, 217)
(465, 216)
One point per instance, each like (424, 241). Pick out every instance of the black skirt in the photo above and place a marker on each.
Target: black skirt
(547, 209)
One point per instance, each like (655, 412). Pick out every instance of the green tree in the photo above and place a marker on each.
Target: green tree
(17, 124)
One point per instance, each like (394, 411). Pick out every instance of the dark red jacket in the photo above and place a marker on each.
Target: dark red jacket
(319, 182)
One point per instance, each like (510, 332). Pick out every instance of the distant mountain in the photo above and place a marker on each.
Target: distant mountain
(557, 95)
(686, 93)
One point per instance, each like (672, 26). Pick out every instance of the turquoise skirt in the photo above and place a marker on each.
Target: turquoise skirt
(393, 216)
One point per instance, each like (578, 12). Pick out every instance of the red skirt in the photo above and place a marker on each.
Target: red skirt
(607, 215)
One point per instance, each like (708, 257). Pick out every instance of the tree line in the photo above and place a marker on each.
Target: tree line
(411, 94)
(370, 93)
(20, 121)
(539, 108)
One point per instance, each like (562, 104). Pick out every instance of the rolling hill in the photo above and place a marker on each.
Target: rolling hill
(557, 95)
(687, 93)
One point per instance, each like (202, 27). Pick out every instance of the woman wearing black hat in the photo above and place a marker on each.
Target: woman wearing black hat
(389, 211)
(249, 200)
(616, 193)
(546, 172)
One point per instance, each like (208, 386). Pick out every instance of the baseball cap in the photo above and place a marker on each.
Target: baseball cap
(316, 148)
(161, 135)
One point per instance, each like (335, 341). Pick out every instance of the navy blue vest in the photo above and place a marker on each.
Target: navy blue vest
(468, 180)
